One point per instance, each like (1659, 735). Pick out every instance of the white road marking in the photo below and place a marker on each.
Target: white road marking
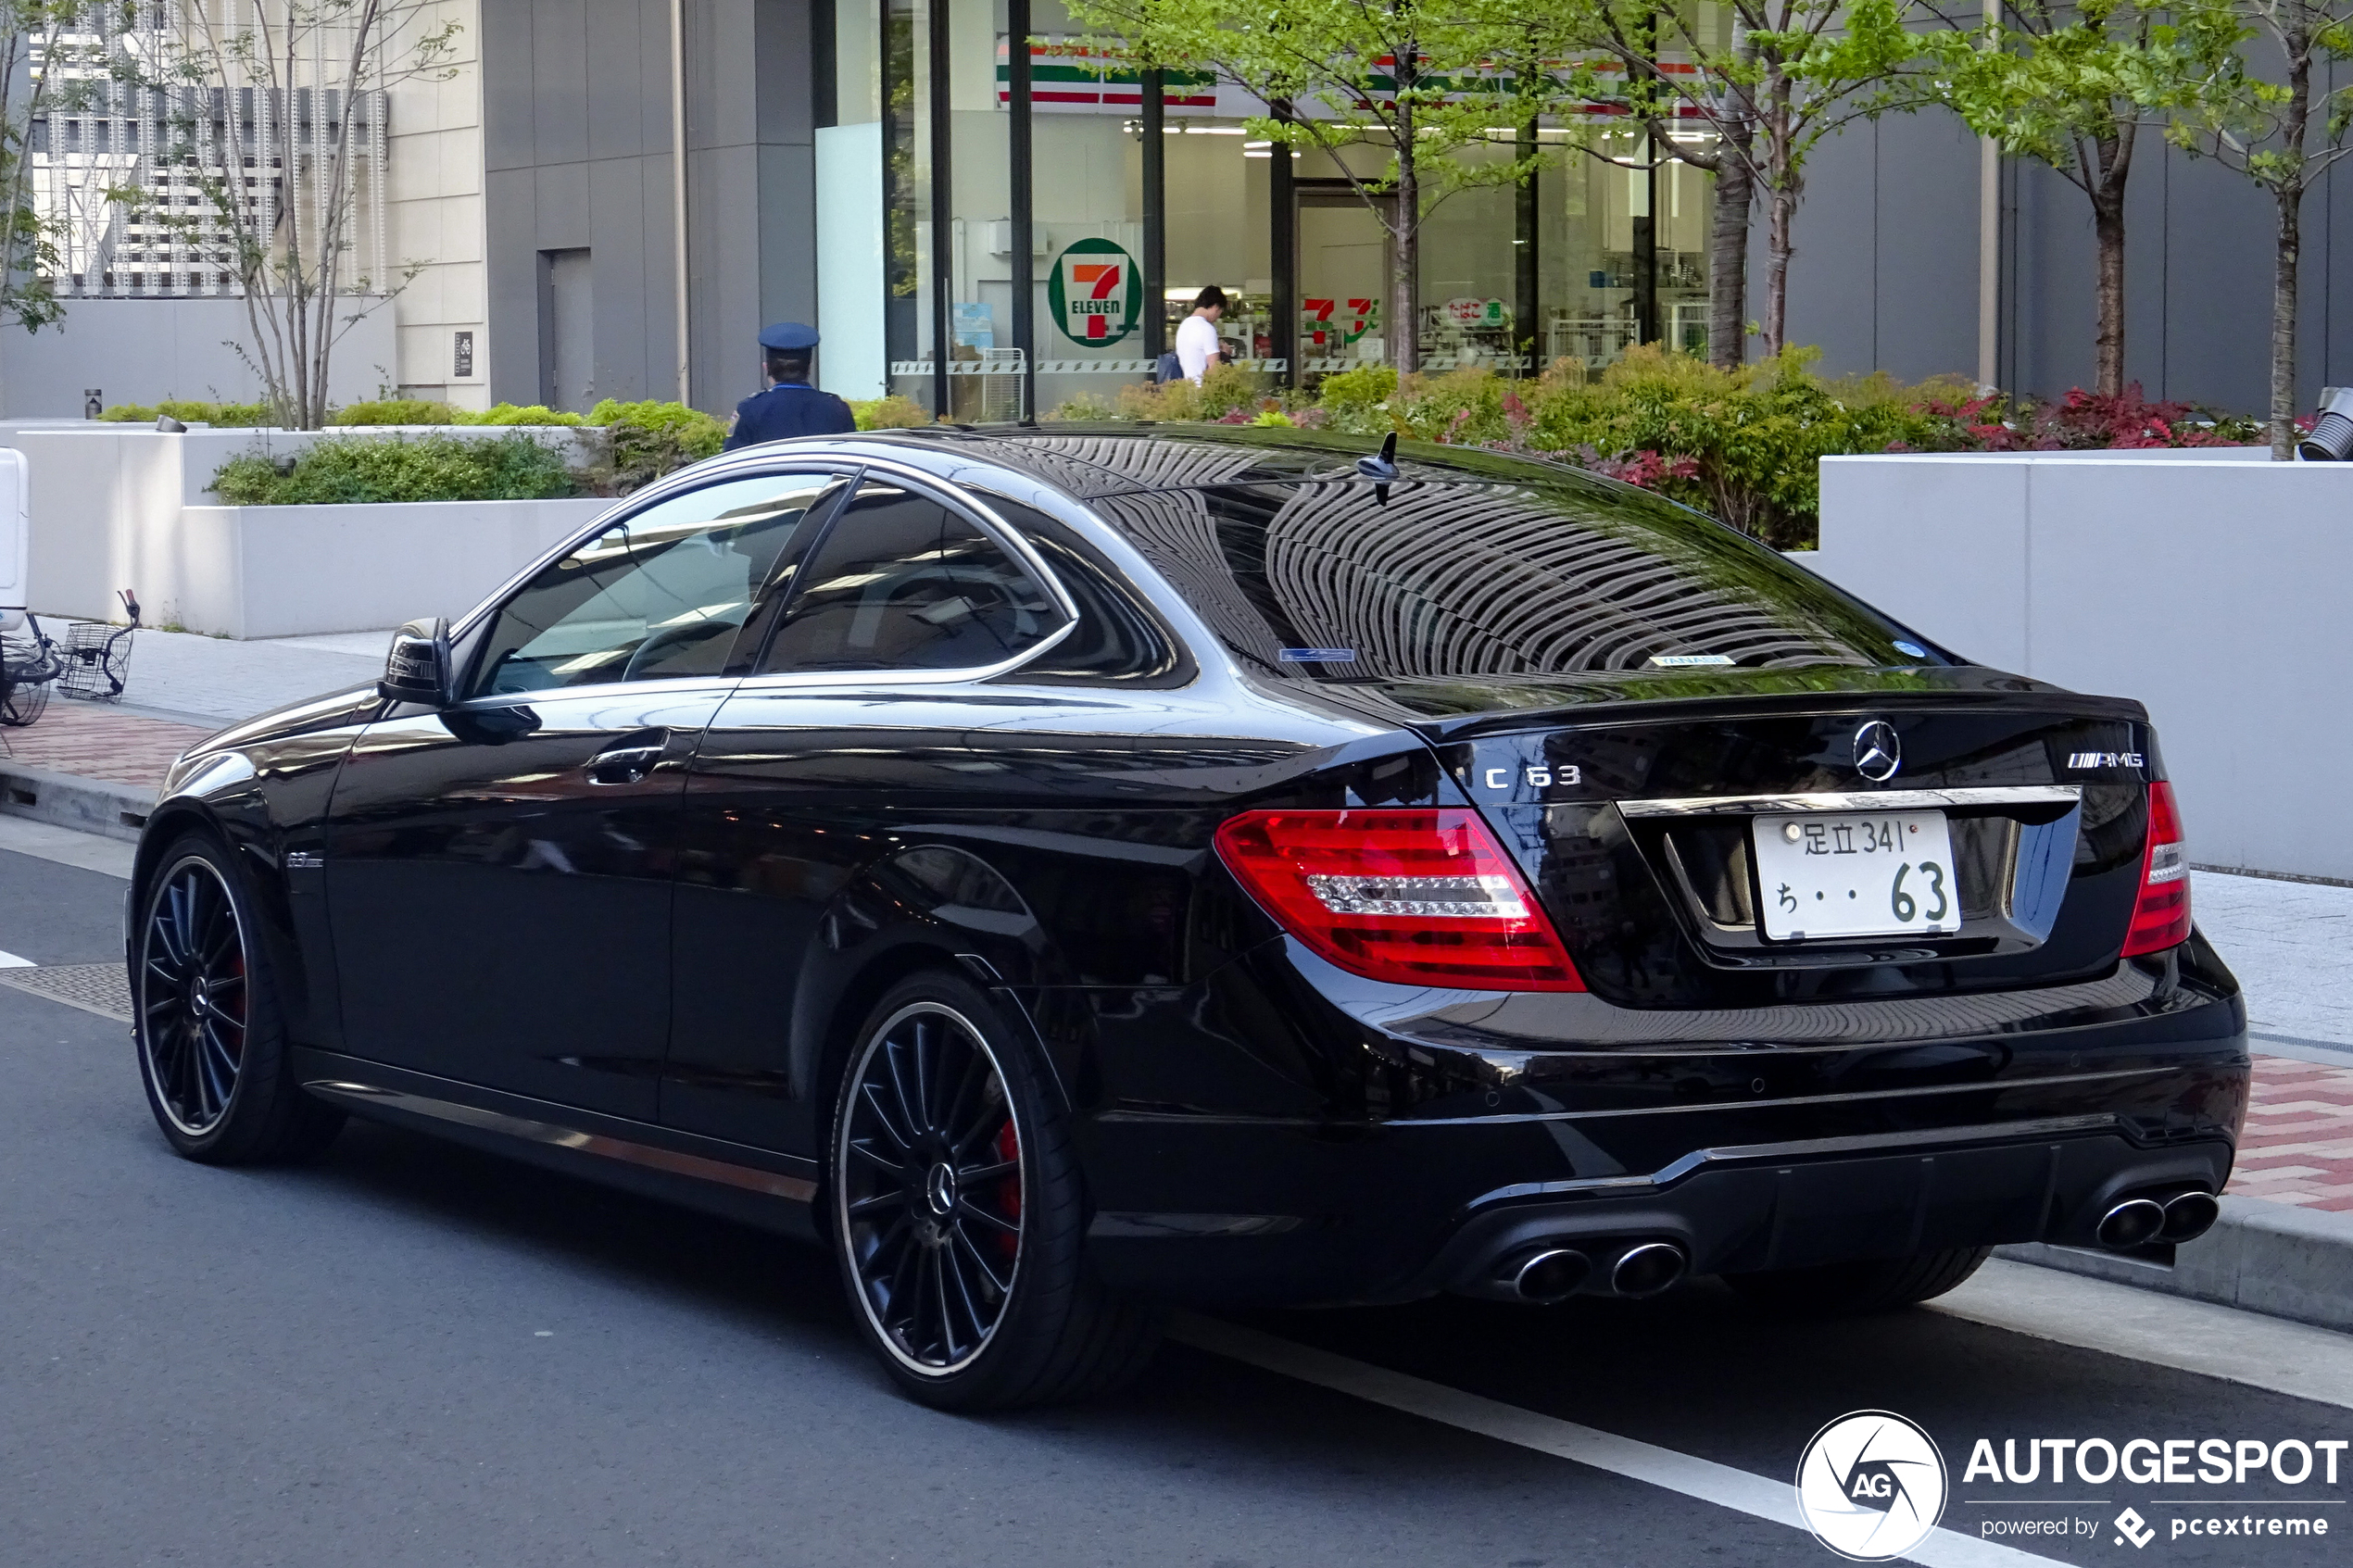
(47, 841)
(1758, 1496)
(2171, 1331)
(10, 960)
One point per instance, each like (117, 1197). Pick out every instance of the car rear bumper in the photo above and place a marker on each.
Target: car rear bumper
(1748, 1158)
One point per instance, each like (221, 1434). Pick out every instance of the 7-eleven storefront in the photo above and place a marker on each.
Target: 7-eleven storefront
(1051, 233)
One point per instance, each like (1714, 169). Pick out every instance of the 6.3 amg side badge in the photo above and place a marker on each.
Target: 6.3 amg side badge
(1877, 751)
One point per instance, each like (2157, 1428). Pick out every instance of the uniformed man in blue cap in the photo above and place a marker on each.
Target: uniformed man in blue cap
(791, 405)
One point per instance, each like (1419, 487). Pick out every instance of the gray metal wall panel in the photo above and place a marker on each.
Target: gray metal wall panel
(2218, 287)
(561, 220)
(614, 47)
(1924, 307)
(509, 206)
(788, 236)
(560, 81)
(506, 83)
(1835, 239)
(620, 242)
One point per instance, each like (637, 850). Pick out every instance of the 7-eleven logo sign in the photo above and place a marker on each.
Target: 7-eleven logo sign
(1094, 293)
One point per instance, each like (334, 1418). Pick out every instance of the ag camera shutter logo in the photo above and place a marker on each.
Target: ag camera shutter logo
(1872, 1485)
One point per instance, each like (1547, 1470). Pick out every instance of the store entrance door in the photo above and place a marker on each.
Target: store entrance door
(1344, 268)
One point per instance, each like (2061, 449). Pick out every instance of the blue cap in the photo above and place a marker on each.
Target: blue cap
(788, 337)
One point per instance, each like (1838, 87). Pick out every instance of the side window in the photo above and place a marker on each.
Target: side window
(903, 583)
(658, 595)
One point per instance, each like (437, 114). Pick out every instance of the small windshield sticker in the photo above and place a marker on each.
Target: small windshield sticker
(1319, 655)
(1910, 650)
(1686, 660)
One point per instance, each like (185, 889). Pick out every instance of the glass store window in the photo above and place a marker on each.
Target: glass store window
(1618, 248)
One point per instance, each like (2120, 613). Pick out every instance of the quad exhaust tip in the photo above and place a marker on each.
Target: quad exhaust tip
(2189, 1215)
(1649, 1269)
(1552, 1275)
(2133, 1222)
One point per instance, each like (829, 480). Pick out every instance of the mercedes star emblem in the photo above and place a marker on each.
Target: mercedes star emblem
(1877, 751)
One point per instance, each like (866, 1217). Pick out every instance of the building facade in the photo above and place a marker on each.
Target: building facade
(886, 169)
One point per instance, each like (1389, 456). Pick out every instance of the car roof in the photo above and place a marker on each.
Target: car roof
(1091, 460)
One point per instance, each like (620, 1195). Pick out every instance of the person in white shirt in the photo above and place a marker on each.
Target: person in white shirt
(1196, 346)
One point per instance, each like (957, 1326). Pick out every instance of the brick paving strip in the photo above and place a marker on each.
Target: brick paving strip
(2298, 1145)
(92, 742)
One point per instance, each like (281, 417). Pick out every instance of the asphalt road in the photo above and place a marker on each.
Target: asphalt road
(412, 1353)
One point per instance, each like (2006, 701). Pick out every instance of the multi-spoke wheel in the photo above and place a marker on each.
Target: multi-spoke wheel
(931, 1187)
(192, 997)
(210, 1048)
(957, 1212)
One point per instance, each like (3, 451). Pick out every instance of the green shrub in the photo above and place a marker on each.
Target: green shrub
(1085, 406)
(893, 412)
(230, 416)
(651, 439)
(519, 414)
(396, 411)
(427, 467)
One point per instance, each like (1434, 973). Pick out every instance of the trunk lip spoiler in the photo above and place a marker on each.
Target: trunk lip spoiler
(1962, 796)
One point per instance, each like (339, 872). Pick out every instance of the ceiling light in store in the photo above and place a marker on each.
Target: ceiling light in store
(1214, 131)
(1258, 143)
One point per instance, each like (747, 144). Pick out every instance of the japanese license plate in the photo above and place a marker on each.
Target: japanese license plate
(1855, 873)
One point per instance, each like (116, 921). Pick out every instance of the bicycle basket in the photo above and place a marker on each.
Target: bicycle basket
(97, 660)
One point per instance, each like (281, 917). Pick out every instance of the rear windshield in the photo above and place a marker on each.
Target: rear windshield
(1445, 580)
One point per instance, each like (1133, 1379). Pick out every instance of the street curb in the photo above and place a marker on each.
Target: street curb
(99, 806)
(2261, 1256)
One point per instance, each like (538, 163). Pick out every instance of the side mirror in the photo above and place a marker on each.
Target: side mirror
(417, 670)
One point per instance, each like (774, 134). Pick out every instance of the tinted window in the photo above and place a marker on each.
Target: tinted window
(1447, 579)
(661, 594)
(1117, 639)
(903, 583)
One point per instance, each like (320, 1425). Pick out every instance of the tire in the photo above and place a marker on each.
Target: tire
(958, 1213)
(1875, 1286)
(207, 1027)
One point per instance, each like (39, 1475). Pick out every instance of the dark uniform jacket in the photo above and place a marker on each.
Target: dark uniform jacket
(789, 408)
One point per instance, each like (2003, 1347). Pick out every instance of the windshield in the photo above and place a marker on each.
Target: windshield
(1446, 580)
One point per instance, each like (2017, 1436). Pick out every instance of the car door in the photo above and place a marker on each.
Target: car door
(498, 870)
(854, 722)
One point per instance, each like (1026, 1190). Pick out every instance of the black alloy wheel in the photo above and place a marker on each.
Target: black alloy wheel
(193, 996)
(211, 1040)
(931, 1187)
(958, 1214)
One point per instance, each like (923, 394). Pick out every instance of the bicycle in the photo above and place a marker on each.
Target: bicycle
(30, 666)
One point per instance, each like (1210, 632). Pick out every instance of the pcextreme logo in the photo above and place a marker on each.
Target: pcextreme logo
(1872, 1485)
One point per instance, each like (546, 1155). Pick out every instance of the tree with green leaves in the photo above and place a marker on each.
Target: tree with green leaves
(2284, 135)
(1415, 81)
(34, 48)
(2071, 83)
(257, 177)
(1771, 78)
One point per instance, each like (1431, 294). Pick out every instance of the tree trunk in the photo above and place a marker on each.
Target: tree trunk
(2110, 165)
(1728, 250)
(2107, 227)
(1781, 209)
(2284, 268)
(1405, 346)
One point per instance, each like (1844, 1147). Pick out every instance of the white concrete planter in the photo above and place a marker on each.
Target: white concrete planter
(117, 507)
(288, 571)
(2212, 589)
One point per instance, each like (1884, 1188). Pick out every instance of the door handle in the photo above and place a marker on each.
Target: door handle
(629, 761)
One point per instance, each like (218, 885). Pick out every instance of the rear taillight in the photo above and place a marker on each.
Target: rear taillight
(2162, 917)
(1420, 897)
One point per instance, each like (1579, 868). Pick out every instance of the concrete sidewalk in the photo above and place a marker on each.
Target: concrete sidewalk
(2286, 1245)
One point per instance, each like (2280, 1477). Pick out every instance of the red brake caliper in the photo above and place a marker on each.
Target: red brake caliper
(1009, 1188)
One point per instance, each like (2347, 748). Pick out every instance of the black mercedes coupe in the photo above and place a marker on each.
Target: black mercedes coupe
(1071, 869)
